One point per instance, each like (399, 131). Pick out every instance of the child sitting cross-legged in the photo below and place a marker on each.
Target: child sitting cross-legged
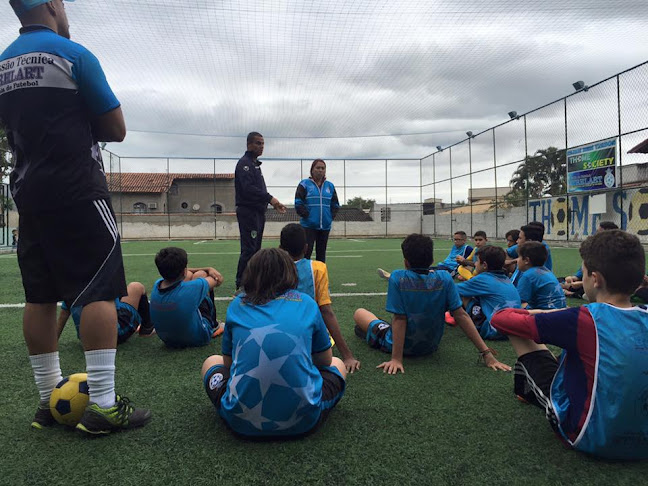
(277, 376)
(538, 286)
(418, 298)
(594, 396)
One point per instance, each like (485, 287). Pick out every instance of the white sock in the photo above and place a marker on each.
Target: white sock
(47, 373)
(100, 366)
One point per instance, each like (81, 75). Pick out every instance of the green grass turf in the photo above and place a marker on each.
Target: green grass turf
(447, 420)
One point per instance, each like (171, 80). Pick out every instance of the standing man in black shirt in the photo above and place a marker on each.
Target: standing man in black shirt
(252, 200)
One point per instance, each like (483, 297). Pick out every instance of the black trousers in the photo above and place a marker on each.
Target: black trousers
(318, 238)
(251, 225)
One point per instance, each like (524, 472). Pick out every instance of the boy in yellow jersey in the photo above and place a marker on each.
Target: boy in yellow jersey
(313, 281)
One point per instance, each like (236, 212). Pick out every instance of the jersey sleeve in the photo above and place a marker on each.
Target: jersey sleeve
(395, 303)
(322, 295)
(300, 201)
(511, 252)
(579, 273)
(321, 340)
(473, 287)
(93, 86)
(453, 301)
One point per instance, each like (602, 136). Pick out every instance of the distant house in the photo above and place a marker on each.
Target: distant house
(145, 192)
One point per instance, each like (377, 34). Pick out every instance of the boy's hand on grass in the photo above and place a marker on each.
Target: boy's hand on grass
(492, 363)
(392, 367)
(351, 364)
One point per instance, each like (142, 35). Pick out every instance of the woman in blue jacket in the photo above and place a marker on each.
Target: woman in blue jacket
(317, 203)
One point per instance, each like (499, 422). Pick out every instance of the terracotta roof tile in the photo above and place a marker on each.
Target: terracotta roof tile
(152, 182)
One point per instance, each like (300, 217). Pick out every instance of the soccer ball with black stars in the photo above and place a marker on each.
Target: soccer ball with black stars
(69, 399)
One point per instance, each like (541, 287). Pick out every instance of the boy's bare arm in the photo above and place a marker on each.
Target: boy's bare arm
(323, 359)
(399, 327)
(333, 327)
(465, 323)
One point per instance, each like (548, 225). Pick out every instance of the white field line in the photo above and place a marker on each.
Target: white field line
(225, 299)
(200, 242)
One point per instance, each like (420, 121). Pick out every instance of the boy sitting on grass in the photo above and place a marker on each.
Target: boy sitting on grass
(538, 287)
(277, 376)
(595, 398)
(418, 298)
(133, 314)
(314, 282)
(182, 301)
(466, 268)
(488, 291)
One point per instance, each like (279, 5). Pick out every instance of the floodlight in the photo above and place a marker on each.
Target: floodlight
(512, 114)
(469, 133)
(439, 148)
(102, 145)
(580, 85)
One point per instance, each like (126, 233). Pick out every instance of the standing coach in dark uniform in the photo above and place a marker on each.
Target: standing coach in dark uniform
(252, 199)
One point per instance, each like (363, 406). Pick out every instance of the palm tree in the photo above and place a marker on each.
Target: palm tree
(542, 174)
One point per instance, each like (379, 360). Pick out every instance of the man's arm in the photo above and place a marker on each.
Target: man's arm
(399, 328)
(109, 127)
(330, 319)
(252, 192)
(468, 327)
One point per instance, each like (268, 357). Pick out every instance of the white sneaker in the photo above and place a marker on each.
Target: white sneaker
(383, 274)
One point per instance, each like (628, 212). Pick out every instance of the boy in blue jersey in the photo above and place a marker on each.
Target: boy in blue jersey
(182, 301)
(595, 395)
(277, 376)
(418, 298)
(488, 291)
(459, 249)
(534, 231)
(133, 314)
(538, 287)
(466, 268)
(314, 282)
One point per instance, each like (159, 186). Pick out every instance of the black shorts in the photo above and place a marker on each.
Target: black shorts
(71, 254)
(534, 373)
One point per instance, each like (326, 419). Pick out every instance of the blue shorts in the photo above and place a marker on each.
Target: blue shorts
(128, 320)
(377, 335)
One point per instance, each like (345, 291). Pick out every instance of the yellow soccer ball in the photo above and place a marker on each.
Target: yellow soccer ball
(69, 399)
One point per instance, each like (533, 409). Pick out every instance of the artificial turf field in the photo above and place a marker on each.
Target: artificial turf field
(447, 420)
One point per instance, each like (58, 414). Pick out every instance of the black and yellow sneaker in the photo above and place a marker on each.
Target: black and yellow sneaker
(43, 416)
(122, 415)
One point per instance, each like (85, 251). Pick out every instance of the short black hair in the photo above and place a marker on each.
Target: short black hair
(251, 136)
(171, 262)
(480, 233)
(418, 250)
(535, 251)
(608, 225)
(269, 273)
(618, 256)
(461, 233)
(494, 256)
(293, 239)
(514, 234)
(533, 232)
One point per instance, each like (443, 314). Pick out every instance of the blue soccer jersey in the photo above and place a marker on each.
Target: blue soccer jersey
(181, 313)
(450, 261)
(423, 298)
(274, 387)
(540, 288)
(512, 252)
(494, 291)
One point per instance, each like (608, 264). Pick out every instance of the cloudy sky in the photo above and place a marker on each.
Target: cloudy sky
(360, 78)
